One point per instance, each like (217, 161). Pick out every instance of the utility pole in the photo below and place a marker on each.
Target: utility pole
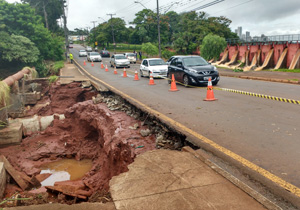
(94, 32)
(158, 29)
(65, 28)
(112, 28)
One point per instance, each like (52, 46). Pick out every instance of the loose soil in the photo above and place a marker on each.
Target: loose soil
(111, 139)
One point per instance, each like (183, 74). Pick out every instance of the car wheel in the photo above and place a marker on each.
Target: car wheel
(141, 73)
(134, 62)
(111, 65)
(186, 80)
(128, 66)
(169, 78)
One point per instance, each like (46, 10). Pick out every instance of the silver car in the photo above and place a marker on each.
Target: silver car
(119, 60)
(131, 57)
(94, 56)
(82, 53)
(89, 49)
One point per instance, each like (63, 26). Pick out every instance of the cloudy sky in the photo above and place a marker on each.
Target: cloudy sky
(269, 17)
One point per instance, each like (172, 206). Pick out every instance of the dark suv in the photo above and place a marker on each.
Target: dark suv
(104, 53)
(192, 70)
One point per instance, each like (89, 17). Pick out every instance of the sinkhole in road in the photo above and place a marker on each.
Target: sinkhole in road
(101, 127)
(65, 169)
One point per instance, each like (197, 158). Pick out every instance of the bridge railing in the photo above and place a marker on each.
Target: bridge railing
(265, 39)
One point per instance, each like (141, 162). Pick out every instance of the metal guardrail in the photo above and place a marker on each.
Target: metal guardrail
(262, 39)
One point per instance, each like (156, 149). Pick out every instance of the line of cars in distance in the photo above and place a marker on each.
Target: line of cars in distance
(187, 69)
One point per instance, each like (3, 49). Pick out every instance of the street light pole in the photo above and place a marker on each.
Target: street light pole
(94, 31)
(137, 2)
(158, 29)
(112, 28)
(65, 29)
(158, 25)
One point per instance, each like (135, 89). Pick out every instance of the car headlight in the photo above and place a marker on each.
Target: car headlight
(215, 69)
(192, 71)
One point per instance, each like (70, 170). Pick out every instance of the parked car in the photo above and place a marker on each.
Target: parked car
(104, 53)
(119, 60)
(131, 57)
(94, 56)
(82, 53)
(192, 70)
(157, 66)
(89, 49)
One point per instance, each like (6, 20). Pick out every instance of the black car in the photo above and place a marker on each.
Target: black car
(104, 53)
(192, 70)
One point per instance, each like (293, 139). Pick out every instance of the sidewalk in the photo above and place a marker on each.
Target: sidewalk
(165, 179)
(273, 76)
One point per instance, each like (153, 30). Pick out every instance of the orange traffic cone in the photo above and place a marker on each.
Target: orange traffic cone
(115, 71)
(173, 84)
(92, 64)
(84, 63)
(124, 73)
(151, 81)
(106, 69)
(102, 66)
(136, 76)
(210, 93)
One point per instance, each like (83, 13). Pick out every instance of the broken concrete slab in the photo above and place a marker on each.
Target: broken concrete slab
(14, 173)
(164, 179)
(2, 179)
(32, 98)
(12, 134)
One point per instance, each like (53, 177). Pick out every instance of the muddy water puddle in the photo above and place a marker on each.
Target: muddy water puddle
(64, 170)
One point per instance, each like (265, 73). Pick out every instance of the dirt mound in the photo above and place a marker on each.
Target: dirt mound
(111, 139)
(60, 97)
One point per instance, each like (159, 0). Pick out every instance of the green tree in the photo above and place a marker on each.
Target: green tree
(212, 46)
(149, 49)
(50, 10)
(18, 48)
(20, 19)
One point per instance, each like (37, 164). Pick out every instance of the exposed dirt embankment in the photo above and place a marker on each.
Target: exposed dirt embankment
(89, 131)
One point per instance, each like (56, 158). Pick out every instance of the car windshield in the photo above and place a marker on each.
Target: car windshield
(120, 57)
(130, 54)
(194, 61)
(157, 62)
(94, 53)
(82, 50)
(104, 51)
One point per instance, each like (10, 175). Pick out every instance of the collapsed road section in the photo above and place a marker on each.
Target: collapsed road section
(101, 128)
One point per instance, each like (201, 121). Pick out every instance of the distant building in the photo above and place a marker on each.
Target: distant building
(240, 31)
(248, 37)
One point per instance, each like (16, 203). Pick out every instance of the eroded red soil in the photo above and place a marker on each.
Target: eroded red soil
(89, 131)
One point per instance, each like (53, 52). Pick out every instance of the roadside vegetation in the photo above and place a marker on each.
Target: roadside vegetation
(24, 38)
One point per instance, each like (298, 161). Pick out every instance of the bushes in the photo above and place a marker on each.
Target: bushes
(166, 54)
(212, 46)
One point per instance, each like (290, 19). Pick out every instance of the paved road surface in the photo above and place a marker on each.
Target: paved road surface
(262, 131)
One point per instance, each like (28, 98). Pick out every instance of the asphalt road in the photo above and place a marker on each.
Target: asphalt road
(265, 132)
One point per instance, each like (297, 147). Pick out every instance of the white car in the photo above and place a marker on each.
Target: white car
(94, 56)
(157, 66)
(82, 53)
(89, 49)
(119, 60)
(131, 57)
